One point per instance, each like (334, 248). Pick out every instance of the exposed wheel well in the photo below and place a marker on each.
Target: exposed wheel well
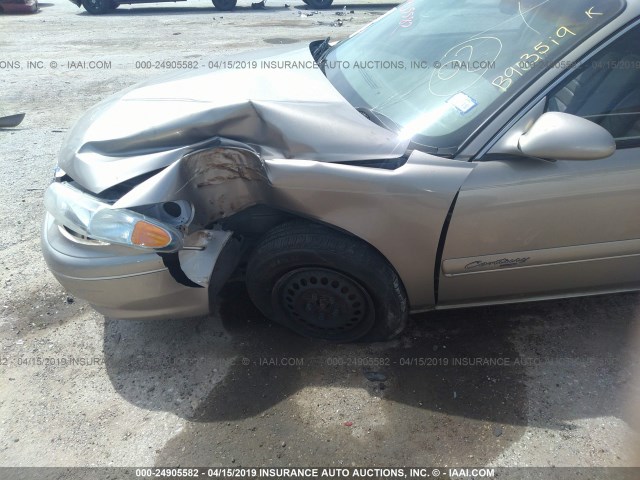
(253, 223)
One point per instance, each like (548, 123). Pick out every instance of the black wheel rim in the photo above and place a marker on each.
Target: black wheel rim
(323, 303)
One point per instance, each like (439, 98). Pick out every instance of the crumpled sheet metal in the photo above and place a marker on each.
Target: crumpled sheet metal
(232, 139)
(218, 181)
(283, 113)
(363, 201)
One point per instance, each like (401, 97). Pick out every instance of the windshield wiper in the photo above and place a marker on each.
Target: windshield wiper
(383, 121)
(379, 119)
(320, 52)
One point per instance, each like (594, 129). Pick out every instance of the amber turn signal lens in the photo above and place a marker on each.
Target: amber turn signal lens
(146, 234)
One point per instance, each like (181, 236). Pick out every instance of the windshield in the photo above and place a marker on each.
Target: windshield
(437, 68)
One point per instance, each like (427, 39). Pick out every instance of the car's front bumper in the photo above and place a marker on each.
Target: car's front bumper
(118, 281)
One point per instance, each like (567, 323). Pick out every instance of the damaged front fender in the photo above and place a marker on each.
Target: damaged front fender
(199, 259)
(230, 178)
(218, 181)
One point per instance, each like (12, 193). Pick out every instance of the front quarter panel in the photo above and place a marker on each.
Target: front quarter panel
(400, 212)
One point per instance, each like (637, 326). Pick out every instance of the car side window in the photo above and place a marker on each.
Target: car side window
(607, 90)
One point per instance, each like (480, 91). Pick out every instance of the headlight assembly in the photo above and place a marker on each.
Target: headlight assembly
(88, 216)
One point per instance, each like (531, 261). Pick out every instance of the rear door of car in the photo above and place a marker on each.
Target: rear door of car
(529, 228)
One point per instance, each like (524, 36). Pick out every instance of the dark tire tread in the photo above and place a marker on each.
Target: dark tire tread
(319, 4)
(224, 5)
(315, 245)
(103, 7)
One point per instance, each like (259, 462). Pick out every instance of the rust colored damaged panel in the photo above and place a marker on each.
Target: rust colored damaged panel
(219, 165)
(227, 180)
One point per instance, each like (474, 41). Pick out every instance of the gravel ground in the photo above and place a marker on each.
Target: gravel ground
(77, 389)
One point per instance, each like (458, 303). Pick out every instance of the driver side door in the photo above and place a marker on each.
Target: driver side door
(525, 228)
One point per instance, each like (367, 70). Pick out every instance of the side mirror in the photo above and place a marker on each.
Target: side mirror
(560, 136)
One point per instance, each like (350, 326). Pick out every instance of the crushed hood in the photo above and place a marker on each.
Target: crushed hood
(283, 110)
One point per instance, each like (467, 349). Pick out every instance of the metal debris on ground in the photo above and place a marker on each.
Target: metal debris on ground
(11, 120)
(375, 376)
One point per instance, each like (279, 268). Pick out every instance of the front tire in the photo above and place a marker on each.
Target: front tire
(225, 5)
(325, 284)
(97, 7)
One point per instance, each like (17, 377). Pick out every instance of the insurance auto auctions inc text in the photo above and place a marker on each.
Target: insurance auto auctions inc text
(371, 473)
